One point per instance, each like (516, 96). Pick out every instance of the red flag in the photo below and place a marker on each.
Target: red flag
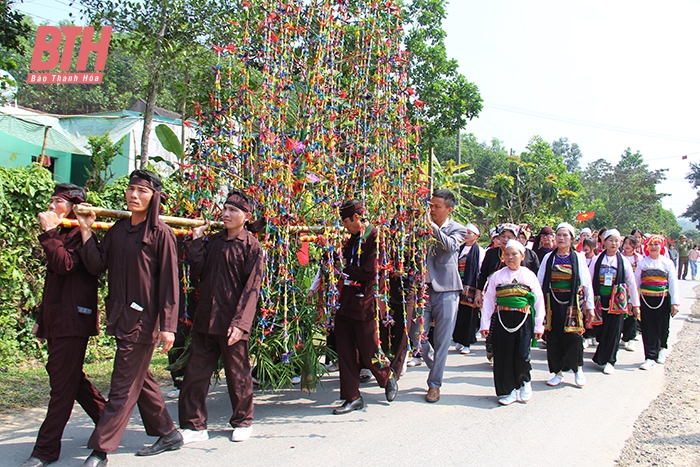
(684, 157)
(303, 253)
(584, 216)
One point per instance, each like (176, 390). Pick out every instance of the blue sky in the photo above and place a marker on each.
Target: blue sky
(606, 74)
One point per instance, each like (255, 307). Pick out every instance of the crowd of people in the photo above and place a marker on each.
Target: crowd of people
(563, 289)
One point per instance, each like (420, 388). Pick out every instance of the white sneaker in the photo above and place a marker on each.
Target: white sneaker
(458, 347)
(296, 380)
(648, 365)
(556, 380)
(608, 369)
(526, 392)
(586, 344)
(580, 378)
(415, 361)
(510, 398)
(662, 356)
(629, 346)
(241, 433)
(174, 394)
(403, 368)
(465, 351)
(192, 436)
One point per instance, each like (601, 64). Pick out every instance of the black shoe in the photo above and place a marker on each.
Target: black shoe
(94, 461)
(169, 442)
(392, 388)
(349, 406)
(35, 462)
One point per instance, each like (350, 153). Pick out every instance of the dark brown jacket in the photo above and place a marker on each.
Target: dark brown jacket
(357, 300)
(69, 302)
(142, 279)
(231, 272)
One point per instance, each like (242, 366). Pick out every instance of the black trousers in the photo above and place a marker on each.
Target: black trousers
(655, 324)
(68, 384)
(466, 326)
(132, 385)
(511, 351)
(629, 328)
(394, 338)
(206, 351)
(357, 344)
(608, 336)
(564, 349)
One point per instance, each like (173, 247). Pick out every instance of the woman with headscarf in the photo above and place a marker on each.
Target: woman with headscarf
(525, 234)
(494, 260)
(615, 290)
(514, 297)
(656, 279)
(566, 284)
(629, 327)
(471, 256)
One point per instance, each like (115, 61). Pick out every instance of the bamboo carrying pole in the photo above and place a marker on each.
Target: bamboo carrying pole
(172, 221)
(181, 221)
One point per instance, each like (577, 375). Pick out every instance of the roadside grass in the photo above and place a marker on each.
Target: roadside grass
(27, 386)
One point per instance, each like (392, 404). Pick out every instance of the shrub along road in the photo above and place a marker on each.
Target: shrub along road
(563, 425)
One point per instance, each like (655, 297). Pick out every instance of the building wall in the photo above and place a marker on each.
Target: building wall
(15, 152)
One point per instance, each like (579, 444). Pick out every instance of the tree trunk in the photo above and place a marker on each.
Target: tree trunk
(430, 169)
(153, 86)
(184, 108)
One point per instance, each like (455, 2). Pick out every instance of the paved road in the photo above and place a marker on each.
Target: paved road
(564, 425)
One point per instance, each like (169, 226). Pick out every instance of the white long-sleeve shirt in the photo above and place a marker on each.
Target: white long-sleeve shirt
(611, 261)
(584, 276)
(507, 275)
(664, 264)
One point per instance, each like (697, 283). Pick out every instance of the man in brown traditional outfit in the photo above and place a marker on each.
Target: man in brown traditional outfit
(355, 325)
(67, 318)
(230, 265)
(141, 258)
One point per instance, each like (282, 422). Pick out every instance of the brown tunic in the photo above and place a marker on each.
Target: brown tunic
(357, 299)
(142, 277)
(231, 271)
(69, 305)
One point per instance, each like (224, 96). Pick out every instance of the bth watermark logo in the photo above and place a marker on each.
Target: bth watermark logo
(47, 55)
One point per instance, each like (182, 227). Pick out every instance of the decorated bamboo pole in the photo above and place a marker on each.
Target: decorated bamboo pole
(173, 221)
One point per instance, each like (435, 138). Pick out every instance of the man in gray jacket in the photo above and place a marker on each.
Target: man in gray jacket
(444, 286)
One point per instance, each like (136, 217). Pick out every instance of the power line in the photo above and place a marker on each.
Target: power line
(601, 126)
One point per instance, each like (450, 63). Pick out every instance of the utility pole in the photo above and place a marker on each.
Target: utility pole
(459, 149)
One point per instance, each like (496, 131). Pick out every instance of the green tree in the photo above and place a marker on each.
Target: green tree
(166, 34)
(13, 31)
(693, 211)
(624, 195)
(103, 152)
(570, 153)
(535, 188)
(446, 100)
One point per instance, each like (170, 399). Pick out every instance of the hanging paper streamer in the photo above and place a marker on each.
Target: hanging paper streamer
(308, 109)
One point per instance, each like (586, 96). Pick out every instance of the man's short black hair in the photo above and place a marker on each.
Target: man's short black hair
(447, 195)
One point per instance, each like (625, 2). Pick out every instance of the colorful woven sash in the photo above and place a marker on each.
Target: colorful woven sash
(561, 278)
(654, 283)
(514, 297)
